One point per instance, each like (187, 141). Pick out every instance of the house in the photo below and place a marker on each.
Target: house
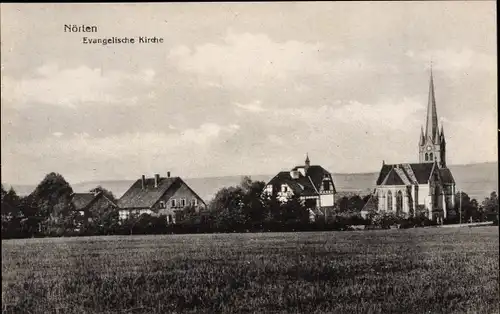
(425, 187)
(311, 183)
(87, 203)
(158, 196)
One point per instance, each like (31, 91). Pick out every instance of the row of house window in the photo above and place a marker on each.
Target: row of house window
(178, 203)
(124, 214)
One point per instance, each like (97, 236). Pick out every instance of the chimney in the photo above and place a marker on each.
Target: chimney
(157, 180)
(168, 174)
(143, 181)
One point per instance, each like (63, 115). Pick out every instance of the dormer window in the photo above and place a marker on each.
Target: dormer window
(163, 204)
(326, 185)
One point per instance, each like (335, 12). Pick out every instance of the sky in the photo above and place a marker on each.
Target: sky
(242, 88)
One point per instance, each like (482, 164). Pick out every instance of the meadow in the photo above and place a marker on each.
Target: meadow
(431, 270)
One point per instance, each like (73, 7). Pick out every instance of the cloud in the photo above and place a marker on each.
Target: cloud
(247, 59)
(130, 144)
(71, 87)
(275, 139)
(386, 114)
(254, 106)
(58, 134)
(449, 60)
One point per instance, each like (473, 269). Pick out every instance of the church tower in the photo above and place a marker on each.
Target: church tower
(432, 145)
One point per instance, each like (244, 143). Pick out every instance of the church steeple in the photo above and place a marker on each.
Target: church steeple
(307, 163)
(432, 146)
(431, 127)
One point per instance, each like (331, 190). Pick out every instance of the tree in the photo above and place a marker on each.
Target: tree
(228, 206)
(11, 215)
(271, 209)
(294, 211)
(52, 199)
(469, 207)
(10, 204)
(253, 201)
(490, 207)
(105, 192)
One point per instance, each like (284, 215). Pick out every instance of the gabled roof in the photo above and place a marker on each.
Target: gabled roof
(301, 185)
(446, 176)
(392, 178)
(138, 197)
(82, 200)
(371, 204)
(405, 174)
(307, 185)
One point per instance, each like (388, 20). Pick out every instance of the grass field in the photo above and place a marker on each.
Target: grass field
(433, 270)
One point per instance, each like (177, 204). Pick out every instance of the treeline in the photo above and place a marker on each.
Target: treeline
(48, 211)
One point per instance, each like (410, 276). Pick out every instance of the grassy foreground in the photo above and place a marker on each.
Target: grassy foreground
(433, 270)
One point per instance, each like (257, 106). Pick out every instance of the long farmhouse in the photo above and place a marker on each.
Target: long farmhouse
(158, 196)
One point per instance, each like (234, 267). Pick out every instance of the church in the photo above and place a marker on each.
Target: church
(426, 187)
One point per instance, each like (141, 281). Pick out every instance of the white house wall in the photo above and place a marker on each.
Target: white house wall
(327, 200)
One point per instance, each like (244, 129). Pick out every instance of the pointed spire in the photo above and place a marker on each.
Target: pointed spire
(442, 134)
(431, 128)
(422, 138)
(308, 163)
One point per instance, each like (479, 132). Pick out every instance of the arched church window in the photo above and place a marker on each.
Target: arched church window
(399, 203)
(431, 158)
(426, 156)
(435, 197)
(389, 200)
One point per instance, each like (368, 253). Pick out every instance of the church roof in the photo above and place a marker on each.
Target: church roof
(446, 175)
(400, 174)
(393, 178)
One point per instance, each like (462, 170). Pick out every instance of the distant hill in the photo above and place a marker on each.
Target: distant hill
(477, 180)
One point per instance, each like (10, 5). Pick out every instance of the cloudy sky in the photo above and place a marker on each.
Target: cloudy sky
(241, 88)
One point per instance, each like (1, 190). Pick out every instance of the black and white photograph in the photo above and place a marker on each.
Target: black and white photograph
(249, 157)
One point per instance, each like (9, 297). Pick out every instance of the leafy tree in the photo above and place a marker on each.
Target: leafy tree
(130, 222)
(10, 204)
(52, 194)
(105, 192)
(11, 215)
(490, 207)
(253, 201)
(469, 207)
(271, 208)
(294, 211)
(52, 199)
